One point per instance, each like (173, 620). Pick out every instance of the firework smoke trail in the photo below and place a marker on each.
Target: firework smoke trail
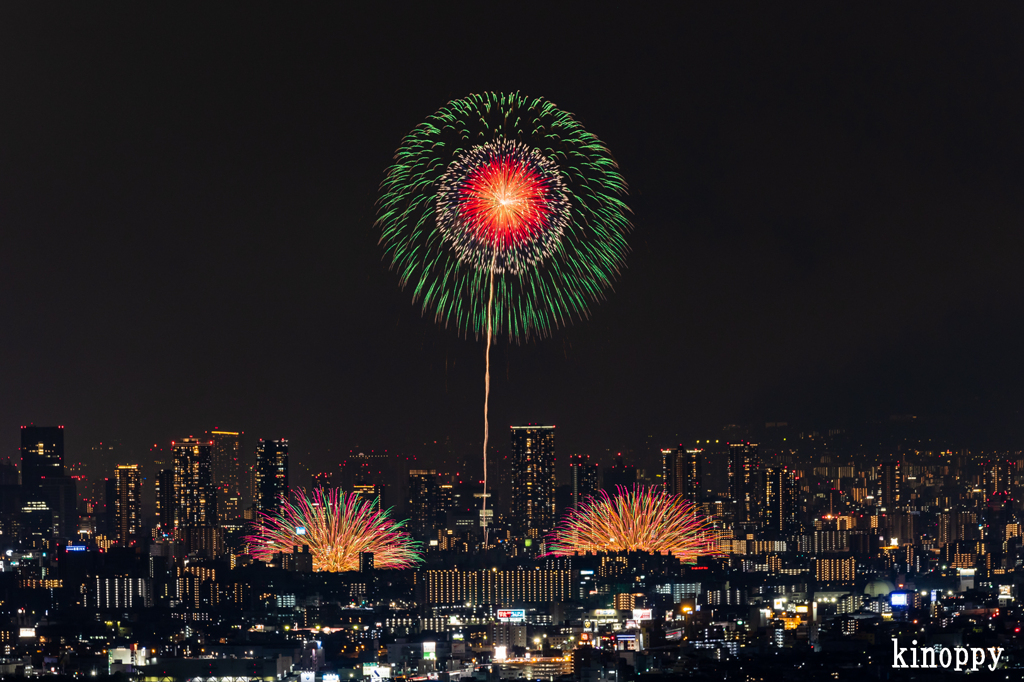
(504, 215)
(487, 395)
(643, 519)
(336, 528)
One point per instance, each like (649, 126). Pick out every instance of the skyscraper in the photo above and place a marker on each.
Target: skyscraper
(423, 508)
(583, 478)
(742, 477)
(194, 493)
(533, 480)
(680, 471)
(271, 474)
(42, 454)
(890, 480)
(226, 464)
(43, 480)
(164, 490)
(128, 502)
(780, 502)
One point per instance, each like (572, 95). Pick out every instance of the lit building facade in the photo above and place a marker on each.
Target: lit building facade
(533, 480)
(128, 503)
(194, 492)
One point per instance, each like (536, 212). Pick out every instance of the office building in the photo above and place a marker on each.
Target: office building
(489, 586)
(835, 570)
(128, 503)
(533, 480)
(271, 474)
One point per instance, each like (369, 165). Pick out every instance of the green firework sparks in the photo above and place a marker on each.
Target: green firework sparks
(581, 265)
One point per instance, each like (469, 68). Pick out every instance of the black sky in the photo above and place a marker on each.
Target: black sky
(828, 207)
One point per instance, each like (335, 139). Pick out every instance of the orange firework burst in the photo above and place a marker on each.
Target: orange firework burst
(644, 519)
(337, 528)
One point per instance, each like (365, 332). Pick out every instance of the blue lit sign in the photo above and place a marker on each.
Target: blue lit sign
(300, 530)
(77, 548)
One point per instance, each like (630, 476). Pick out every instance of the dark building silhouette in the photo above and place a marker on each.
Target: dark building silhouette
(583, 479)
(680, 471)
(780, 502)
(42, 454)
(533, 480)
(890, 482)
(621, 473)
(271, 474)
(423, 508)
(743, 467)
(164, 492)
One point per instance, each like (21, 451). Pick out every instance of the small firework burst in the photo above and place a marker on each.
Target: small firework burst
(645, 519)
(337, 528)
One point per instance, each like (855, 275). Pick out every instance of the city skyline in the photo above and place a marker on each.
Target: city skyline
(732, 289)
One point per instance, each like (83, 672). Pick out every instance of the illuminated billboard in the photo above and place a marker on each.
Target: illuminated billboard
(511, 615)
(898, 598)
(642, 614)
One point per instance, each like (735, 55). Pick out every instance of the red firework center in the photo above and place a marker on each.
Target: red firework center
(505, 202)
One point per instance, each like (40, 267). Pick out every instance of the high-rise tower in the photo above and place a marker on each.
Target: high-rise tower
(226, 465)
(890, 480)
(194, 492)
(128, 502)
(742, 478)
(271, 474)
(583, 478)
(680, 471)
(780, 502)
(164, 490)
(533, 480)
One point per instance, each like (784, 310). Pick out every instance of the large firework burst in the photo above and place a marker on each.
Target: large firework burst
(645, 519)
(504, 215)
(500, 184)
(336, 528)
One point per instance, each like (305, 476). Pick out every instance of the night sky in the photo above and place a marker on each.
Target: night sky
(828, 215)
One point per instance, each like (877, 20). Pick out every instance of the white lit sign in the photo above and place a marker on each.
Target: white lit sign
(430, 650)
(605, 613)
(331, 677)
(898, 599)
(642, 614)
(307, 676)
(377, 672)
(300, 530)
(511, 615)
(27, 632)
(500, 653)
